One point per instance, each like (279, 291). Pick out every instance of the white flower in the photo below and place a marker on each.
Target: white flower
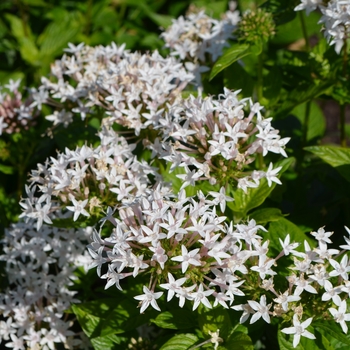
(299, 330)
(284, 299)
(148, 298)
(287, 246)
(340, 316)
(201, 297)
(322, 236)
(308, 5)
(78, 208)
(341, 269)
(173, 286)
(188, 258)
(262, 310)
(271, 175)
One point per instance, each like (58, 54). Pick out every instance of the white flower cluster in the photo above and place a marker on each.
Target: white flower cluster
(40, 268)
(212, 139)
(195, 254)
(192, 37)
(197, 36)
(16, 113)
(129, 87)
(335, 17)
(85, 179)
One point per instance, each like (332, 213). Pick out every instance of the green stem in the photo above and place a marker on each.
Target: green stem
(88, 17)
(24, 18)
(342, 126)
(306, 123)
(303, 27)
(342, 105)
(259, 90)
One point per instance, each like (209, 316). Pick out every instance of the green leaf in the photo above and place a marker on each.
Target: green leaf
(175, 319)
(280, 229)
(237, 341)
(233, 54)
(337, 157)
(29, 51)
(255, 196)
(330, 328)
(8, 170)
(16, 25)
(87, 321)
(283, 11)
(58, 34)
(265, 215)
(163, 21)
(180, 342)
(317, 122)
(292, 31)
(236, 78)
(301, 95)
(334, 156)
(214, 319)
(105, 343)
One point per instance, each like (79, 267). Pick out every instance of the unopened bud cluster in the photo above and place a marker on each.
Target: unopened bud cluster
(256, 26)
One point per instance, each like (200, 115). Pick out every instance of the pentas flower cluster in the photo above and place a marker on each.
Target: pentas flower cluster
(85, 180)
(335, 17)
(130, 88)
(216, 140)
(40, 268)
(193, 253)
(16, 114)
(197, 36)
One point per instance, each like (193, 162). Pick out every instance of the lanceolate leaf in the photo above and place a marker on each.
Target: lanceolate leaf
(265, 215)
(244, 202)
(334, 156)
(330, 328)
(337, 157)
(180, 342)
(237, 341)
(233, 54)
(175, 319)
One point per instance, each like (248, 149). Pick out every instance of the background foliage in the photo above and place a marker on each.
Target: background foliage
(297, 73)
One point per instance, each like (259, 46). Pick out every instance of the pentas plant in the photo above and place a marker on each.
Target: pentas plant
(87, 180)
(170, 201)
(130, 88)
(16, 114)
(197, 36)
(214, 140)
(40, 266)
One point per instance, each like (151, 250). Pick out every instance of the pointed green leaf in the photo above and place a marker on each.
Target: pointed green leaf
(280, 229)
(337, 157)
(8, 170)
(334, 156)
(316, 123)
(332, 329)
(244, 202)
(265, 215)
(237, 341)
(214, 319)
(233, 54)
(175, 319)
(180, 342)
(301, 95)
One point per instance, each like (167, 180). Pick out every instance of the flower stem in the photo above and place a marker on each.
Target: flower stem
(303, 28)
(342, 126)
(259, 90)
(342, 105)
